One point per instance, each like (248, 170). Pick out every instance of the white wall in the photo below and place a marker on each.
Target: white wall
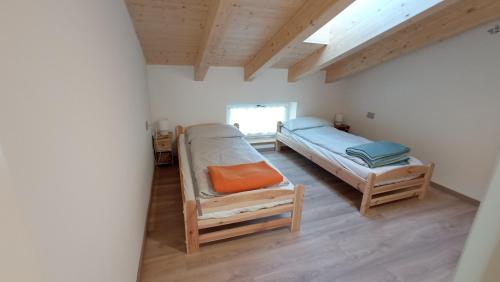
(493, 271)
(442, 101)
(176, 96)
(73, 106)
(481, 255)
(18, 258)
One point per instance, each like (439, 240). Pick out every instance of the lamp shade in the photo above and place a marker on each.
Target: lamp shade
(163, 126)
(339, 118)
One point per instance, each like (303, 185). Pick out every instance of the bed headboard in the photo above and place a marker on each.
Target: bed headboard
(178, 131)
(279, 126)
(186, 177)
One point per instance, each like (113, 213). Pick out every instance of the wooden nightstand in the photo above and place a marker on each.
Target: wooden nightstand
(343, 127)
(162, 145)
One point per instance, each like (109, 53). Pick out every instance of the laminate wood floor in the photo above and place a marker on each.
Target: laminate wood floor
(409, 240)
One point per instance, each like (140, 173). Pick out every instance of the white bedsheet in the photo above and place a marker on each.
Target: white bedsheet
(340, 142)
(333, 140)
(221, 151)
(190, 192)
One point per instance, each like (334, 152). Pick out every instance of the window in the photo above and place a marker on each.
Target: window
(259, 120)
(368, 18)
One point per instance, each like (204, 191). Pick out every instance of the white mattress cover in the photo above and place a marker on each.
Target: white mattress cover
(220, 152)
(338, 159)
(224, 151)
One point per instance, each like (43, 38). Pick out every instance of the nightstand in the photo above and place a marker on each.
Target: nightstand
(342, 126)
(162, 145)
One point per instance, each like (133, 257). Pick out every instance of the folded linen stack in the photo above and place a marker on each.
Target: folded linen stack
(243, 177)
(380, 153)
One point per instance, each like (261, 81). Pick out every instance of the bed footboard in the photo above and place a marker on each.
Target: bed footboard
(198, 231)
(277, 146)
(261, 196)
(416, 183)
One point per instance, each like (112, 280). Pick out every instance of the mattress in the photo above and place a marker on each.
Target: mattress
(202, 152)
(331, 143)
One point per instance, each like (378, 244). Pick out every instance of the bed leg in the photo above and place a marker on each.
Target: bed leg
(427, 180)
(298, 202)
(277, 146)
(367, 194)
(191, 227)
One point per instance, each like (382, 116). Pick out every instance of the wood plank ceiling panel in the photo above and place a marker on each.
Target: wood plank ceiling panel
(218, 14)
(250, 25)
(311, 16)
(298, 52)
(169, 31)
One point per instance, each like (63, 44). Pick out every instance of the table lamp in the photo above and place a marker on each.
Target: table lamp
(339, 118)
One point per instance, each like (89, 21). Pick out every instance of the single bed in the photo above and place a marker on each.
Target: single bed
(210, 216)
(325, 146)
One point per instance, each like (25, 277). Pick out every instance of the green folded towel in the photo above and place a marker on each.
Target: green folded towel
(381, 153)
(392, 160)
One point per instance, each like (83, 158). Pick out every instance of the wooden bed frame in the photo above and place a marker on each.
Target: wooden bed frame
(193, 225)
(373, 194)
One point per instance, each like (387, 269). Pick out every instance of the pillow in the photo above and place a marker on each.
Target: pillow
(305, 123)
(214, 130)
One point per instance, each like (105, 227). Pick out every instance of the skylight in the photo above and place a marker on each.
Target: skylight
(369, 18)
(322, 35)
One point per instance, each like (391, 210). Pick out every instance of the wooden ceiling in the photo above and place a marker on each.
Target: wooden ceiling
(258, 34)
(170, 31)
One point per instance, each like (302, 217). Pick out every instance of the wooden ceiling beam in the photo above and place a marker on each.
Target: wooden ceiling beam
(361, 25)
(218, 14)
(454, 19)
(312, 15)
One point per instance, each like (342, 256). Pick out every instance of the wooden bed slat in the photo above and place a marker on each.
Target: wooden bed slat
(395, 197)
(397, 186)
(261, 194)
(244, 203)
(207, 223)
(243, 230)
(402, 172)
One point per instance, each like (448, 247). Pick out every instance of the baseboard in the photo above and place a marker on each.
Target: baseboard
(455, 193)
(144, 236)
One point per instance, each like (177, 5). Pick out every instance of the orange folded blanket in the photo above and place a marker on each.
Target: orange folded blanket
(243, 177)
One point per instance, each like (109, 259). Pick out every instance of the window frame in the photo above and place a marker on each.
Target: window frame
(290, 109)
